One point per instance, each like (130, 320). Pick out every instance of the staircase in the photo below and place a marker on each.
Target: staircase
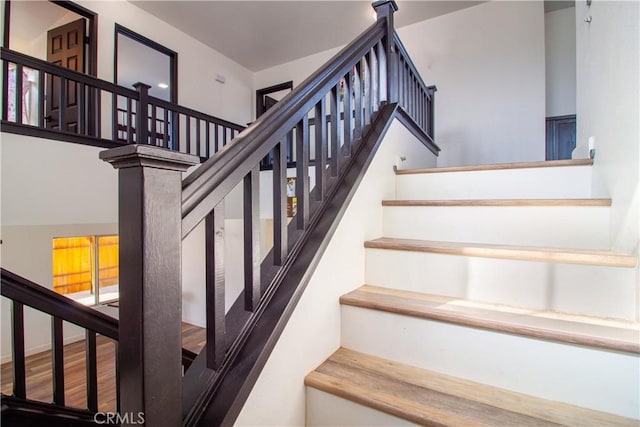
(491, 299)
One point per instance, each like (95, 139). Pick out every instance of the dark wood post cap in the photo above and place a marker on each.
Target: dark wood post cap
(136, 155)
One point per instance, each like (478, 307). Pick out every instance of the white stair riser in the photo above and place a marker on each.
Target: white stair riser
(324, 409)
(534, 183)
(596, 379)
(579, 227)
(571, 288)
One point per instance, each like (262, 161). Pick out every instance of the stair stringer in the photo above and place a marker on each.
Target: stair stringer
(313, 332)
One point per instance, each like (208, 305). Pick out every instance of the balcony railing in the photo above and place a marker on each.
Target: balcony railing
(46, 100)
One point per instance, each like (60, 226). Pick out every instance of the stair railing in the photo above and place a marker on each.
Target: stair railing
(415, 98)
(98, 326)
(24, 293)
(345, 107)
(163, 124)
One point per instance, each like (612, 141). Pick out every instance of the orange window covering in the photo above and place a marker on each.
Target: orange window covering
(73, 261)
(108, 266)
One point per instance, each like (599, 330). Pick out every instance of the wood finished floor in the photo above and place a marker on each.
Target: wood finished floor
(39, 375)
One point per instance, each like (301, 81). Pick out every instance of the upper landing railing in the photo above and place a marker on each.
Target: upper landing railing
(45, 100)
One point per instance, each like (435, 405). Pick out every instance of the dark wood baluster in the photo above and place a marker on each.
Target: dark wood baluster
(289, 152)
(382, 73)
(57, 360)
(224, 136)
(320, 121)
(187, 129)
(357, 104)
(198, 140)
(165, 131)
(117, 363)
(400, 83)
(375, 79)
(302, 173)
(175, 134)
(95, 112)
(18, 94)
(154, 125)
(216, 139)
(82, 106)
(115, 118)
(5, 88)
(405, 82)
(17, 337)
(62, 110)
(335, 134)
(41, 100)
(92, 371)
(347, 117)
(367, 90)
(252, 254)
(280, 249)
(423, 115)
(129, 122)
(208, 139)
(414, 95)
(215, 287)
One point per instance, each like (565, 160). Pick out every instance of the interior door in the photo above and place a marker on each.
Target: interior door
(66, 48)
(561, 137)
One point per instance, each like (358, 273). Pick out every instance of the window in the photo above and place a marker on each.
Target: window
(85, 268)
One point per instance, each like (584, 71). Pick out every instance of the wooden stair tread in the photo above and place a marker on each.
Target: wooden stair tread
(429, 398)
(500, 202)
(499, 166)
(525, 253)
(606, 334)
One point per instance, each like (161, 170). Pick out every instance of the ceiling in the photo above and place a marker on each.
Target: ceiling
(262, 34)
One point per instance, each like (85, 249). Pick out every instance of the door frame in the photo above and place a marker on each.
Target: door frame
(261, 93)
(91, 61)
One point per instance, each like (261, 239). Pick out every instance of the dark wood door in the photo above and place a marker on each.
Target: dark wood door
(561, 137)
(66, 48)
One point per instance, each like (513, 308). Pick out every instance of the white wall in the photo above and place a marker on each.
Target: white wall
(197, 63)
(313, 332)
(488, 64)
(608, 97)
(560, 54)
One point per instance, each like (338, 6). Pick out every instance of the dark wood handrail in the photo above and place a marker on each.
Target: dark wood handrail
(203, 189)
(26, 292)
(38, 64)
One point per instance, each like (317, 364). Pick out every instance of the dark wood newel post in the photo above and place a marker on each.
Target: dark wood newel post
(431, 112)
(150, 229)
(386, 9)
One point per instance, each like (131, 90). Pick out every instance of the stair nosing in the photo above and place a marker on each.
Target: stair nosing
(500, 202)
(521, 323)
(354, 364)
(513, 252)
(498, 166)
